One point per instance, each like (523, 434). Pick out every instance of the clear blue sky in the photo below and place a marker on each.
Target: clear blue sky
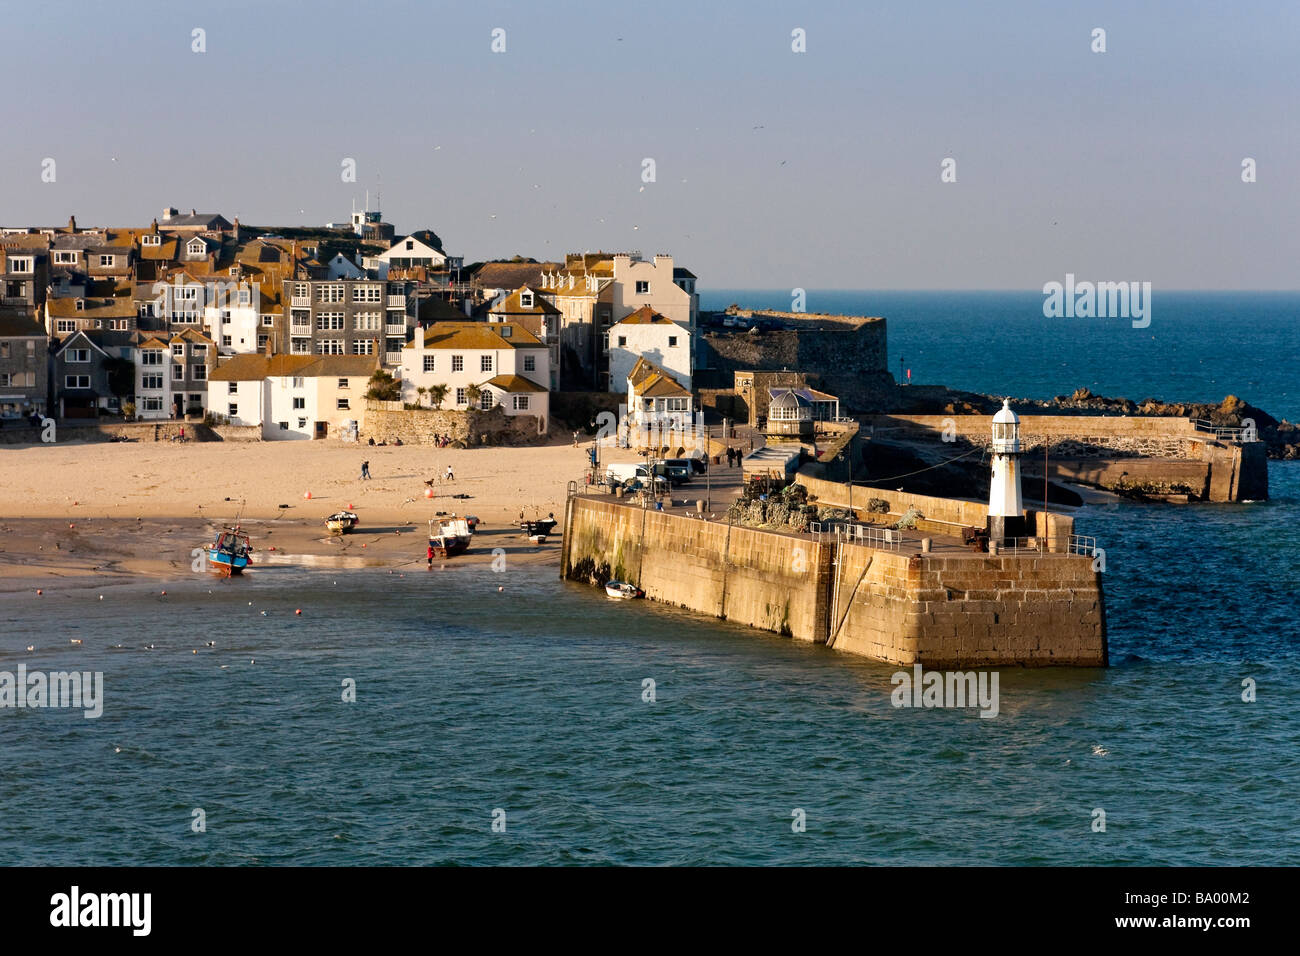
(774, 169)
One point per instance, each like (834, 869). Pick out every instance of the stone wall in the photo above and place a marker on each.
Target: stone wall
(766, 580)
(977, 610)
(384, 421)
(1116, 435)
(846, 354)
(939, 610)
(107, 430)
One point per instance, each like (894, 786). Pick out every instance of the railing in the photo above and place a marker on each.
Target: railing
(397, 301)
(1081, 544)
(1020, 545)
(391, 329)
(300, 302)
(1224, 432)
(887, 539)
(392, 358)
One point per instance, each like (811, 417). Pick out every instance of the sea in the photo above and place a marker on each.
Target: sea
(470, 716)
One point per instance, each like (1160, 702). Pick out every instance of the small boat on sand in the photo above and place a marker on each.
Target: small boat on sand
(447, 546)
(341, 522)
(623, 590)
(538, 525)
(229, 552)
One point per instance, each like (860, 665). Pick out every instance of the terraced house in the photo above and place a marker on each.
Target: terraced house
(172, 374)
(345, 317)
(507, 365)
(24, 365)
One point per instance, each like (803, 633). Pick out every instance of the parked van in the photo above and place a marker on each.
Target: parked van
(621, 474)
(678, 470)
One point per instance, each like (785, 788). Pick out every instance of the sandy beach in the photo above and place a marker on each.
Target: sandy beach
(82, 514)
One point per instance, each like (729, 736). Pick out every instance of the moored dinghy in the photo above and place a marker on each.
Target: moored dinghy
(341, 522)
(623, 590)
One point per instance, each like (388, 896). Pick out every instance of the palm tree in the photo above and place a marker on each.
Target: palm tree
(437, 395)
(472, 395)
(420, 390)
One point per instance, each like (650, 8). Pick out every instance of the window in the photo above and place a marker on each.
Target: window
(152, 403)
(460, 396)
(329, 347)
(506, 331)
(178, 373)
(367, 293)
(485, 363)
(66, 325)
(299, 403)
(145, 310)
(676, 404)
(458, 363)
(363, 347)
(232, 388)
(117, 325)
(81, 305)
(526, 300)
(331, 293)
(284, 426)
(300, 346)
(5, 379)
(19, 266)
(107, 261)
(365, 321)
(486, 399)
(178, 350)
(151, 240)
(79, 356)
(429, 363)
(268, 320)
(672, 341)
(409, 245)
(225, 316)
(520, 402)
(225, 341)
(245, 297)
(642, 287)
(76, 381)
(299, 381)
(343, 383)
(302, 423)
(232, 410)
(196, 399)
(261, 342)
(4, 350)
(200, 373)
(530, 363)
(622, 341)
(343, 405)
(65, 258)
(329, 321)
(199, 350)
(151, 357)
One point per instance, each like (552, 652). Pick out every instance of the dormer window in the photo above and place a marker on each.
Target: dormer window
(151, 241)
(107, 262)
(65, 258)
(81, 305)
(505, 331)
(526, 300)
(197, 246)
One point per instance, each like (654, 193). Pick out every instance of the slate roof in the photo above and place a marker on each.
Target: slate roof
(479, 336)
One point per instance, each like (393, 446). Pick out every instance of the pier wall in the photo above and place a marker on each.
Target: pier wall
(940, 610)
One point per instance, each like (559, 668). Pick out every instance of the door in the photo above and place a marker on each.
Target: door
(321, 429)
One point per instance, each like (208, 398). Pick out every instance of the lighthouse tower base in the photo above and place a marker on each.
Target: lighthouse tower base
(1001, 527)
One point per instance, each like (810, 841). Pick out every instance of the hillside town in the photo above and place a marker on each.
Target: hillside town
(287, 330)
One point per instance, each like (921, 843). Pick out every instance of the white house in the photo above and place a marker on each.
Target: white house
(292, 396)
(341, 267)
(417, 249)
(509, 365)
(655, 397)
(646, 334)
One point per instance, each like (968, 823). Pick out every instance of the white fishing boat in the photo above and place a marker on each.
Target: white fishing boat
(623, 590)
(341, 522)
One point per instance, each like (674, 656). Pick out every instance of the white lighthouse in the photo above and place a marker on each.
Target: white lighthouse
(1006, 507)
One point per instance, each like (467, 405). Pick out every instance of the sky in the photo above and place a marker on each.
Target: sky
(772, 168)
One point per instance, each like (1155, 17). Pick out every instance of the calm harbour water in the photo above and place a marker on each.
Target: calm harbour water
(529, 699)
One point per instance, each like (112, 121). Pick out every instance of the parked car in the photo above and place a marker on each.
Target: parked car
(678, 470)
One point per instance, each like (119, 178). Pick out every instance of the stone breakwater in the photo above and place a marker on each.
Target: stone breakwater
(951, 609)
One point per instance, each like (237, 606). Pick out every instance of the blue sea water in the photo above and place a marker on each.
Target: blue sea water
(1199, 347)
(529, 700)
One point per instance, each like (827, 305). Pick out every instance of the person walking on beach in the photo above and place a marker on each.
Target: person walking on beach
(431, 557)
(365, 471)
(575, 439)
(450, 476)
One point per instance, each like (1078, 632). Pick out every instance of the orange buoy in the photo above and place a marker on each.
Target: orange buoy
(428, 492)
(351, 506)
(164, 593)
(39, 592)
(298, 612)
(307, 495)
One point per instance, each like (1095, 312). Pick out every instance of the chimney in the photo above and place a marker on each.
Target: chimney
(72, 224)
(168, 212)
(236, 229)
(270, 347)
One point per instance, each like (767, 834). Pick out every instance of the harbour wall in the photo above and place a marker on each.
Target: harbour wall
(1150, 454)
(937, 609)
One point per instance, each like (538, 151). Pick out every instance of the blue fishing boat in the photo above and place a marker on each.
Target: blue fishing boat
(229, 552)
